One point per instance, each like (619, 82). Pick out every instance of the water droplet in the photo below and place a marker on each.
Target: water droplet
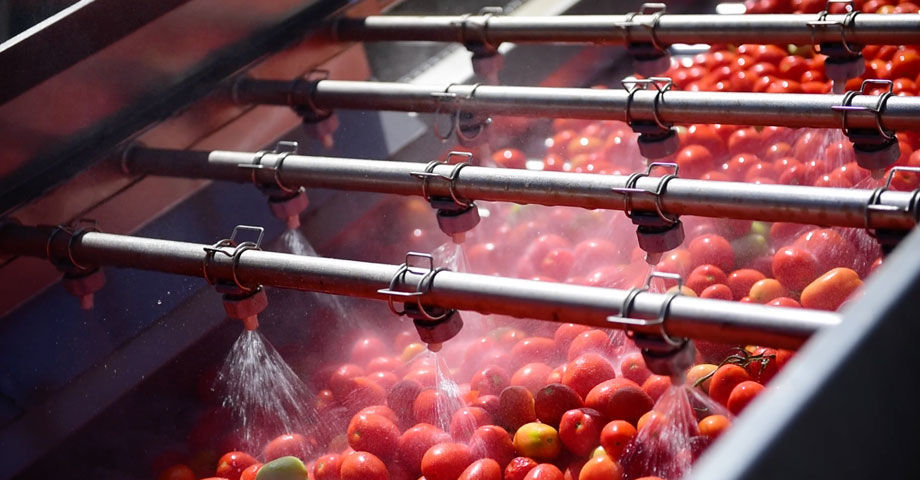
(159, 302)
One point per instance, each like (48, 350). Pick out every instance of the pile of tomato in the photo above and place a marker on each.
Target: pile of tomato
(532, 401)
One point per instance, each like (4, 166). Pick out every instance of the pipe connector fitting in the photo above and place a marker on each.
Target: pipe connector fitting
(434, 332)
(487, 66)
(454, 222)
(659, 144)
(246, 306)
(84, 285)
(671, 362)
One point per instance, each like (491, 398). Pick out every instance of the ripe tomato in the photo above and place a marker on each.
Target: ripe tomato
(707, 137)
(699, 371)
(724, 381)
(544, 471)
(518, 468)
(178, 472)
(580, 430)
(366, 349)
(251, 472)
(792, 67)
(905, 63)
(363, 466)
(704, 276)
(829, 248)
(742, 395)
(553, 400)
(232, 464)
(601, 468)
(712, 250)
(341, 382)
(373, 433)
(509, 158)
(490, 380)
(446, 461)
(694, 160)
(633, 367)
(794, 268)
(619, 399)
(718, 291)
(591, 341)
(764, 291)
(741, 281)
(656, 385)
(289, 444)
(831, 289)
(415, 441)
(566, 333)
(516, 407)
(532, 376)
(537, 440)
(713, 426)
(586, 371)
(482, 469)
(534, 349)
(616, 436)
(491, 441)
(466, 420)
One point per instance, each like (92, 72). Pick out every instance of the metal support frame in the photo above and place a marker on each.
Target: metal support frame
(862, 29)
(885, 209)
(645, 105)
(715, 320)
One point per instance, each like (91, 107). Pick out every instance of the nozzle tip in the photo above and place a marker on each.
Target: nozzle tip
(251, 323)
(328, 141)
(293, 222)
(435, 347)
(87, 302)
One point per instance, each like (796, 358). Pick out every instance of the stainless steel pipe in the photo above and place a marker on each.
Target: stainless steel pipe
(864, 29)
(675, 107)
(842, 207)
(714, 320)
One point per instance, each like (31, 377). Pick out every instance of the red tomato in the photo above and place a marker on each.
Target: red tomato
(366, 349)
(534, 349)
(566, 333)
(553, 400)
(509, 158)
(341, 382)
(466, 420)
(766, 290)
(905, 63)
(616, 436)
(742, 395)
(516, 408)
(706, 136)
(718, 291)
(289, 444)
(518, 468)
(745, 140)
(656, 385)
(724, 381)
(794, 268)
(586, 371)
(178, 472)
(619, 399)
(704, 276)
(328, 467)
(251, 472)
(712, 250)
(736, 167)
(829, 248)
(601, 467)
(532, 376)
(785, 302)
(491, 441)
(831, 289)
(591, 341)
(373, 433)
(482, 469)
(713, 426)
(694, 160)
(415, 441)
(544, 471)
(232, 464)
(767, 53)
(580, 430)
(633, 367)
(363, 466)
(446, 461)
(741, 281)
(792, 67)
(490, 380)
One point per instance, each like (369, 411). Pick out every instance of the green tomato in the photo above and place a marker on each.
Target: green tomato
(284, 468)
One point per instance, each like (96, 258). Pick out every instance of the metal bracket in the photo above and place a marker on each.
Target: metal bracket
(283, 149)
(847, 106)
(455, 115)
(629, 300)
(845, 49)
(478, 43)
(451, 178)
(237, 250)
(309, 112)
(630, 189)
(888, 239)
(74, 230)
(654, 9)
(423, 287)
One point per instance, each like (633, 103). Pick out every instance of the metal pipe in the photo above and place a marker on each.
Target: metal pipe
(842, 207)
(864, 29)
(688, 316)
(675, 107)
